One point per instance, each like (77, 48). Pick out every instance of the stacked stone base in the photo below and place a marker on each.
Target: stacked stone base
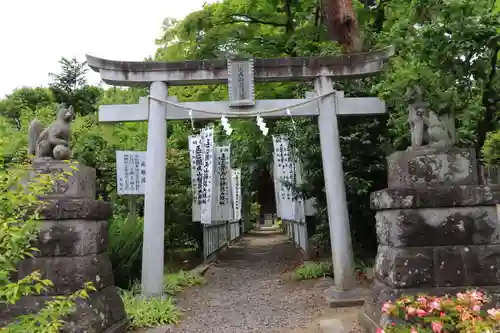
(438, 231)
(72, 251)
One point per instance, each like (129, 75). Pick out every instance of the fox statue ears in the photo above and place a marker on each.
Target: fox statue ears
(62, 107)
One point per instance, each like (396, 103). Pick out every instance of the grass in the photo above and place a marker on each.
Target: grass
(312, 270)
(154, 312)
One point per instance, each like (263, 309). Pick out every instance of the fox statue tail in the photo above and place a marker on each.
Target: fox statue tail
(34, 131)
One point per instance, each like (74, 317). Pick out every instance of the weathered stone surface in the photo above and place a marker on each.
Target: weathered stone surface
(70, 238)
(102, 311)
(69, 274)
(83, 209)
(455, 166)
(80, 184)
(438, 226)
(405, 267)
(435, 196)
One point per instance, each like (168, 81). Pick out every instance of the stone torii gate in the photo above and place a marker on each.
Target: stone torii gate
(240, 74)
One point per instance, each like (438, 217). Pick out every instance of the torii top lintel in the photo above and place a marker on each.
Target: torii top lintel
(143, 73)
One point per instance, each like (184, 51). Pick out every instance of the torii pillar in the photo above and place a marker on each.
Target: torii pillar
(322, 70)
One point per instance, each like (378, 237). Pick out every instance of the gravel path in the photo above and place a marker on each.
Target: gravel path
(248, 290)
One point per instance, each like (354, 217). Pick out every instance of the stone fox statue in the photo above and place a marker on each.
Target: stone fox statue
(51, 142)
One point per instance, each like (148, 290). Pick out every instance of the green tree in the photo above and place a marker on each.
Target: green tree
(69, 86)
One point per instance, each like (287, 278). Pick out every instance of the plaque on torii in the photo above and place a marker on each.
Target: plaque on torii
(240, 80)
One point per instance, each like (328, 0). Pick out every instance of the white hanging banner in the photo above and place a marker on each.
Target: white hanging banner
(276, 186)
(206, 193)
(222, 194)
(130, 172)
(236, 193)
(196, 158)
(300, 213)
(286, 174)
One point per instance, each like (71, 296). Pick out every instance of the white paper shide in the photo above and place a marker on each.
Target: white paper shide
(222, 205)
(205, 195)
(130, 172)
(236, 193)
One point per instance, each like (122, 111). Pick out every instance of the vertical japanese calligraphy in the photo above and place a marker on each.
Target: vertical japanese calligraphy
(196, 158)
(130, 172)
(241, 82)
(285, 173)
(236, 193)
(223, 206)
(207, 140)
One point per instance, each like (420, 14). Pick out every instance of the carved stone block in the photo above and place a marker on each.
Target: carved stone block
(405, 267)
(69, 274)
(435, 197)
(102, 312)
(82, 209)
(72, 244)
(423, 167)
(80, 184)
(438, 230)
(438, 226)
(71, 238)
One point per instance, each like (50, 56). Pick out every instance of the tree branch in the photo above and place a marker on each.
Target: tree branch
(245, 18)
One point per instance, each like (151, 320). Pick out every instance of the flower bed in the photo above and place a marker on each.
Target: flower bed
(462, 313)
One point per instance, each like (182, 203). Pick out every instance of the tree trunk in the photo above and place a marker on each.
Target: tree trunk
(342, 24)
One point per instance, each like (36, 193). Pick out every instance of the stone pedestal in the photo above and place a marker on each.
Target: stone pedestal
(72, 244)
(438, 230)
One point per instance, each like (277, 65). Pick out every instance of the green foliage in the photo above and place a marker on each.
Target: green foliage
(491, 149)
(125, 249)
(312, 270)
(69, 87)
(19, 209)
(153, 312)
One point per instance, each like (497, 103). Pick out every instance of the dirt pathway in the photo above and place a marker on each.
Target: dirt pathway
(248, 290)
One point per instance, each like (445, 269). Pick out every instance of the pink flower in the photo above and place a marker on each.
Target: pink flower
(437, 327)
(421, 313)
(476, 308)
(411, 311)
(413, 330)
(476, 295)
(494, 313)
(461, 296)
(435, 305)
(387, 307)
(379, 330)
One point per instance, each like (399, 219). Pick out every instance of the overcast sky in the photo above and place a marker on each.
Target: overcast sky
(35, 34)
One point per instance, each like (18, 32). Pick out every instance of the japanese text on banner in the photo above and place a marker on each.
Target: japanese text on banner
(130, 172)
(207, 139)
(285, 172)
(196, 159)
(236, 193)
(222, 195)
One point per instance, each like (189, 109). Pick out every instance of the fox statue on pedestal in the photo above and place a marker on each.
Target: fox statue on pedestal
(52, 143)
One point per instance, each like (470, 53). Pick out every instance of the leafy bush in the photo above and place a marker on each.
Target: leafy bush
(312, 270)
(19, 210)
(174, 283)
(154, 312)
(491, 149)
(151, 312)
(463, 313)
(125, 249)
